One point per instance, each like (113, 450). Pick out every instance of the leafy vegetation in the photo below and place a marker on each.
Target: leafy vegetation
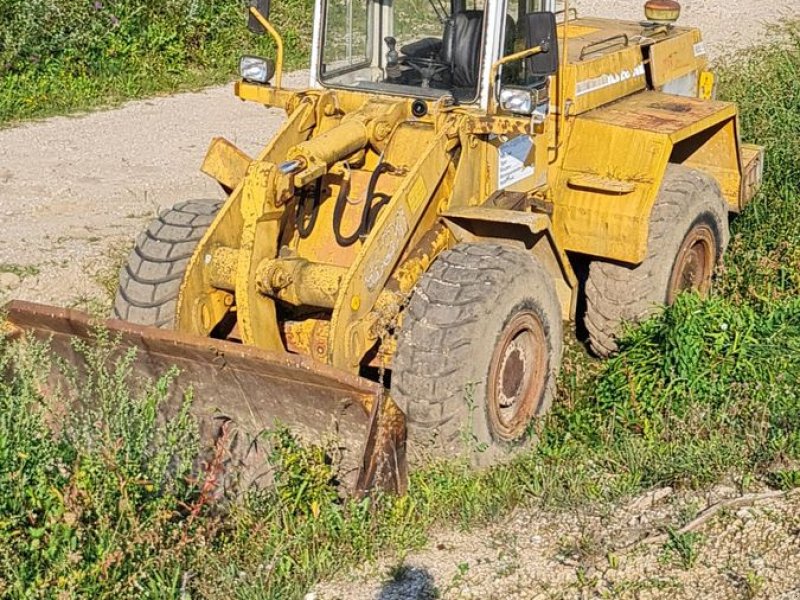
(68, 55)
(705, 390)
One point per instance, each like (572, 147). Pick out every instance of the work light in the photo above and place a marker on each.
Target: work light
(256, 69)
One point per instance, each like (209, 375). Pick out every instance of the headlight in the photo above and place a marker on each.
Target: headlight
(256, 69)
(519, 102)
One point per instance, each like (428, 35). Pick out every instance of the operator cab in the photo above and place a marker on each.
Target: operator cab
(423, 48)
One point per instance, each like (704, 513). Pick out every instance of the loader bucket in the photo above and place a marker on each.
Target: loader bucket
(240, 391)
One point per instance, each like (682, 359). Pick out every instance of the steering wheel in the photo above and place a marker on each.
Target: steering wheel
(428, 68)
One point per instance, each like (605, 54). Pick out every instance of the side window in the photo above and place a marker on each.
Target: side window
(515, 73)
(346, 27)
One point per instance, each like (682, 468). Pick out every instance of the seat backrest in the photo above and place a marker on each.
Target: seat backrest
(461, 47)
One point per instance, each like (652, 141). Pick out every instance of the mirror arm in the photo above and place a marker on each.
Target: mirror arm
(504, 61)
(278, 43)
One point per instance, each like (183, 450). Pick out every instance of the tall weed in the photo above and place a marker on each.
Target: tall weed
(62, 55)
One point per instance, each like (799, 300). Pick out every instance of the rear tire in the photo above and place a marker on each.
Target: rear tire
(478, 353)
(688, 236)
(150, 281)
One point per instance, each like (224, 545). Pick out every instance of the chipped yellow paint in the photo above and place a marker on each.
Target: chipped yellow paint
(707, 86)
(575, 31)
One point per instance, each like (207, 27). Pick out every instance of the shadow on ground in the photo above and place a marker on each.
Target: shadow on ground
(409, 583)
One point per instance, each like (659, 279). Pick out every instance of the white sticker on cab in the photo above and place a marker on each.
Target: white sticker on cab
(512, 157)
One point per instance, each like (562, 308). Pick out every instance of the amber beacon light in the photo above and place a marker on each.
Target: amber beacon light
(662, 11)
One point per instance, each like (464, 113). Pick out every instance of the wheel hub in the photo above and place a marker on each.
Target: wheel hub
(517, 376)
(694, 264)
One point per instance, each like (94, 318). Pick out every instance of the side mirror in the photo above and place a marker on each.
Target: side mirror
(540, 30)
(261, 6)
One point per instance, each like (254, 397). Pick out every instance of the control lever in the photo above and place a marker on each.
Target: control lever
(393, 70)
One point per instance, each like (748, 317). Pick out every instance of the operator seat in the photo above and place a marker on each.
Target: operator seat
(461, 47)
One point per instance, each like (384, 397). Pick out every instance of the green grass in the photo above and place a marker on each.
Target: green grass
(63, 56)
(709, 389)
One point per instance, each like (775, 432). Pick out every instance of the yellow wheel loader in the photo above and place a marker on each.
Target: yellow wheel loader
(395, 266)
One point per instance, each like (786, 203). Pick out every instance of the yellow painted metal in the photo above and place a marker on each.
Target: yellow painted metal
(222, 268)
(707, 87)
(603, 185)
(309, 337)
(599, 80)
(629, 143)
(715, 152)
(574, 32)
(677, 56)
(276, 37)
(225, 163)
(383, 250)
(435, 241)
(266, 95)
(256, 314)
(201, 306)
(300, 282)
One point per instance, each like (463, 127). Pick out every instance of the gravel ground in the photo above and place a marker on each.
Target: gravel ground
(74, 191)
(744, 551)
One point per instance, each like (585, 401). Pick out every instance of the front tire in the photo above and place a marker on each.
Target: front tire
(688, 236)
(478, 353)
(150, 280)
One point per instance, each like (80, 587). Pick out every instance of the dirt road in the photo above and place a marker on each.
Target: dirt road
(75, 190)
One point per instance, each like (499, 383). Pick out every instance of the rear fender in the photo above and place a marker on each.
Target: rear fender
(614, 163)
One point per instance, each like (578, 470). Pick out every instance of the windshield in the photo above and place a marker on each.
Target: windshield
(412, 47)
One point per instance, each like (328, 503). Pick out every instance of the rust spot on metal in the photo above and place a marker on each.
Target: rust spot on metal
(675, 107)
(251, 387)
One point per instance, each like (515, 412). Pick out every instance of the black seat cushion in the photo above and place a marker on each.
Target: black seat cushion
(462, 47)
(424, 48)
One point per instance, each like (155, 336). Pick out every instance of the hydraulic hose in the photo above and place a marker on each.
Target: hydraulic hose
(338, 213)
(304, 228)
(368, 214)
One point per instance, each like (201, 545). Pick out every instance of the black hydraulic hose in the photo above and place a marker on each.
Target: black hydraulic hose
(370, 212)
(338, 213)
(304, 228)
(375, 210)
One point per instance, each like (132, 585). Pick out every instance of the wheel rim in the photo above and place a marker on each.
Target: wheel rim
(517, 376)
(694, 264)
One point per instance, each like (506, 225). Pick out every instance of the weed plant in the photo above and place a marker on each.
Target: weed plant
(708, 389)
(59, 56)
